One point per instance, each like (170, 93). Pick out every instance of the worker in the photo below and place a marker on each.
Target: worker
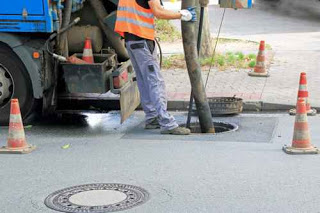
(136, 24)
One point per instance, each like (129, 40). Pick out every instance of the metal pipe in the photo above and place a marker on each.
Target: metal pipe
(115, 40)
(200, 30)
(194, 70)
(63, 40)
(66, 13)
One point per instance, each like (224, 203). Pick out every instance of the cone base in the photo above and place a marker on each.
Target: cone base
(311, 112)
(300, 151)
(257, 74)
(25, 150)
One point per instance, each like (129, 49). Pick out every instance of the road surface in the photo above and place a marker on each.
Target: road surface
(242, 171)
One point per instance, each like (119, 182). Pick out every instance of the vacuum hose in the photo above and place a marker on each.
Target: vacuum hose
(54, 35)
(160, 51)
(198, 48)
(194, 71)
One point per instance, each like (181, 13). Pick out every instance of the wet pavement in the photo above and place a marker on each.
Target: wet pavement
(241, 171)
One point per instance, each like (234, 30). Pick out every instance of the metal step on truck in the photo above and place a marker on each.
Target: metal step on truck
(36, 39)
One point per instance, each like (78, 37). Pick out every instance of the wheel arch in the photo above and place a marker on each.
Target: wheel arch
(24, 52)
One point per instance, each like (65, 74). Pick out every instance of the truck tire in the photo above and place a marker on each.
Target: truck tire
(14, 83)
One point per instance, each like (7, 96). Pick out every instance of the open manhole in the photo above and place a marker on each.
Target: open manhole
(220, 127)
(97, 198)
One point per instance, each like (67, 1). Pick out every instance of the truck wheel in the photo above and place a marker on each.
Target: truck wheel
(14, 83)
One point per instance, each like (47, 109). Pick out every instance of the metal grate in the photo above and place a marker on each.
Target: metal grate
(223, 106)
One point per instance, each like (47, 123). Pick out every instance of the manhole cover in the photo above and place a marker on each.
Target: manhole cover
(97, 198)
(220, 127)
(222, 106)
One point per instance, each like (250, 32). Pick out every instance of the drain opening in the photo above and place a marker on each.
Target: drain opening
(220, 127)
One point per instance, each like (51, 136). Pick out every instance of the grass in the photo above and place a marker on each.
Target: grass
(173, 61)
(238, 60)
(222, 61)
(166, 31)
(252, 64)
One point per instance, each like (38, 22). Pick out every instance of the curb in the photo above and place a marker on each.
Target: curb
(248, 106)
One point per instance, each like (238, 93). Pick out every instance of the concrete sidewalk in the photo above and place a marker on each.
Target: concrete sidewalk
(227, 83)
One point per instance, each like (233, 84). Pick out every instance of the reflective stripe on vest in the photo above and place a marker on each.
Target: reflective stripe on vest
(132, 10)
(134, 19)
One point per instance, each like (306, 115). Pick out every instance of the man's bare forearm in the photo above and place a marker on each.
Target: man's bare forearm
(161, 13)
(167, 14)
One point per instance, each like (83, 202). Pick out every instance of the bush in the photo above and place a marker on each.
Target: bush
(166, 31)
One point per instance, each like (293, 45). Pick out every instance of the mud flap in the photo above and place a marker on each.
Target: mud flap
(129, 100)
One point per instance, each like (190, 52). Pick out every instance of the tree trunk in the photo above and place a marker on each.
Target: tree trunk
(206, 41)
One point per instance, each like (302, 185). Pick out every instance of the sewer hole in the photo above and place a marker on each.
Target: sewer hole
(220, 127)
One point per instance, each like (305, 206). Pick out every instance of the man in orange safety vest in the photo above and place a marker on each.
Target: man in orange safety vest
(136, 24)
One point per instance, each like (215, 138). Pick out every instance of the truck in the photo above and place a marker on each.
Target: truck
(37, 39)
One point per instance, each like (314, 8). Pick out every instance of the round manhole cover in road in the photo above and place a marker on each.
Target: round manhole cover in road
(97, 198)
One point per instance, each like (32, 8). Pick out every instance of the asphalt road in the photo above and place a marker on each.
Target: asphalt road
(263, 19)
(244, 171)
(232, 172)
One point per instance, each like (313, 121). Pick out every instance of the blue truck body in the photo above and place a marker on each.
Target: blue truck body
(31, 38)
(15, 7)
(27, 16)
(19, 19)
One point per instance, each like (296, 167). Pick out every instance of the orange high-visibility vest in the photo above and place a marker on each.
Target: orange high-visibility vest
(134, 19)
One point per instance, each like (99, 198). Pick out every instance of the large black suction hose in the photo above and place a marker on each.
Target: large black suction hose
(198, 48)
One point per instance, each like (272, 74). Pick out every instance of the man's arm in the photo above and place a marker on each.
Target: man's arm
(161, 13)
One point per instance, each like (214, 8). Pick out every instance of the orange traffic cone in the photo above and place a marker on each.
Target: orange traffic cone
(304, 94)
(87, 51)
(16, 140)
(301, 137)
(260, 68)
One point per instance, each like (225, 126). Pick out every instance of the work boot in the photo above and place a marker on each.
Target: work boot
(177, 131)
(154, 124)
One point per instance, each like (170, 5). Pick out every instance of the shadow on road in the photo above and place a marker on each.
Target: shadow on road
(306, 9)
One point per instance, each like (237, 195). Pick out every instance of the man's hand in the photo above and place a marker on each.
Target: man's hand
(185, 15)
(189, 14)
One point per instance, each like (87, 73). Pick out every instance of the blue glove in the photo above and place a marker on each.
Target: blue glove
(193, 12)
(189, 14)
